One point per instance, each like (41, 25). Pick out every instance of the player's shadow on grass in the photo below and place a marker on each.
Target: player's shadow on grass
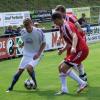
(89, 93)
(93, 92)
(48, 94)
(24, 91)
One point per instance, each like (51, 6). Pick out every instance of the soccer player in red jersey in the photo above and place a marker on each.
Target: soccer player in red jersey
(77, 53)
(70, 17)
(73, 19)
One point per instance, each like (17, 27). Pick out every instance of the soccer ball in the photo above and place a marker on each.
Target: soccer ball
(29, 84)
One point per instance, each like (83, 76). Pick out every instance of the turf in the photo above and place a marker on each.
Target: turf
(48, 80)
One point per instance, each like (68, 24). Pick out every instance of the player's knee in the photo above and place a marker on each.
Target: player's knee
(20, 71)
(59, 68)
(62, 68)
(29, 68)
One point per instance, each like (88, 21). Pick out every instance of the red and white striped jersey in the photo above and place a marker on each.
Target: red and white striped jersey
(71, 17)
(67, 29)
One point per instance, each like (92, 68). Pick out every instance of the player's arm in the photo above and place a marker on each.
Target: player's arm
(15, 47)
(60, 51)
(78, 26)
(40, 51)
(21, 45)
(42, 46)
(43, 42)
(18, 46)
(74, 38)
(74, 42)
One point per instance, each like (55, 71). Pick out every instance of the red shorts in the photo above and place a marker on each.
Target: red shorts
(68, 51)
(78, 57)
(83, 34)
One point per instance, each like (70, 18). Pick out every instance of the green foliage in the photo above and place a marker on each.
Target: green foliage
(22, 5)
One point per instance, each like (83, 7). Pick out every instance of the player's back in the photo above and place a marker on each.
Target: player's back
(71, 17)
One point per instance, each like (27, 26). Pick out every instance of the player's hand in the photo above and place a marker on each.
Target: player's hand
(73, 50)
(60, 51)
(15, 47)
(36, 56)
(20, 46)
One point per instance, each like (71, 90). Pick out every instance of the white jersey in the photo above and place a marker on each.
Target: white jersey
(32, 41)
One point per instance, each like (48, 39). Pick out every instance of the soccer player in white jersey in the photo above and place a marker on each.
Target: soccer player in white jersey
(33, 47)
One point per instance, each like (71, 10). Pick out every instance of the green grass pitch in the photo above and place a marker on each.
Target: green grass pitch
(48, 80)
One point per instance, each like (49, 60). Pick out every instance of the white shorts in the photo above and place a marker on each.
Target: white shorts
(28, 61)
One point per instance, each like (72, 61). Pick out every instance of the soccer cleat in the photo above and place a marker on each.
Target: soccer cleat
(9, 89)
(83, 77)
(60, 93)
(81, 87)
(35, 87)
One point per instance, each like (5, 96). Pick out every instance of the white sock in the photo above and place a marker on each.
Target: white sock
(74, 76)
(76, 68)
(63, 82)
(81, 69)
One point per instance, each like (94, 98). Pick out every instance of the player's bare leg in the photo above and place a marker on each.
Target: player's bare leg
(15, 79)
(62, 71)
(65, 71)
(31, 72)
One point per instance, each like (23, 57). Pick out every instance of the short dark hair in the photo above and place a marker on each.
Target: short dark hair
(27, 21)
(60, 8)
(56, 15)
(83, 14)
